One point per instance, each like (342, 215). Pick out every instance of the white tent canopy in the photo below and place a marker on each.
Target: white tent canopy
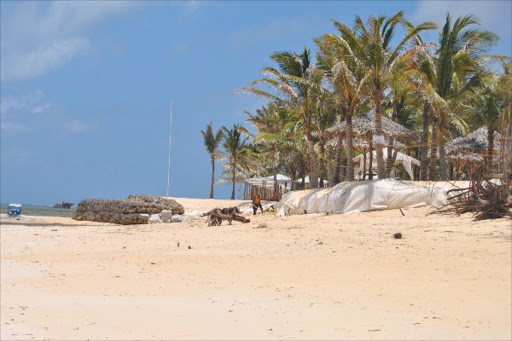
(401, 158)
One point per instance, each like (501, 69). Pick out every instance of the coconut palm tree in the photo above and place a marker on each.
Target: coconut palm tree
(458, 59)
(295, 80)
(237, 155)
(269, 122)
(326, 116)
(211, 143)
(374, 50)
(489, 101)
(423, 76)
(346, 77)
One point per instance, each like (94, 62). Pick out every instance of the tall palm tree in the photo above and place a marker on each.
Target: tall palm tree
(423, 75)
(489, 102)
(346, 76)
(325, 118)
(236, 154)
(269, 122)
(381, 60)
(295, 80)
(458, 59)
(211, 143)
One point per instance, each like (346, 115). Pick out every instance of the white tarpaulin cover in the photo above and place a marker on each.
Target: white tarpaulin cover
(360, 196)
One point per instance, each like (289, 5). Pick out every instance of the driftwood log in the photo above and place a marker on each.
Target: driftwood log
(125, 211)
(217, 215)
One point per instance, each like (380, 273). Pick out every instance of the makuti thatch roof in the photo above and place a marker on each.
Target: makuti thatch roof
(475, 142)
(365, 123)
(472, 146)
(361, 144)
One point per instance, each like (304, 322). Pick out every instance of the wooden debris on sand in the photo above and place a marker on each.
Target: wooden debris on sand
(484, 198)
(217, 215)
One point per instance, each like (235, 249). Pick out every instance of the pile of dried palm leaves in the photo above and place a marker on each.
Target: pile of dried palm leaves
(484, 198)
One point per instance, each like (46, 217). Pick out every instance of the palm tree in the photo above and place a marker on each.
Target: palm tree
(489, 101)
(325, 118)
(459, 59)
(345, 75)
(236, 154)
(295, 80)
(423, 75)
(211, 143)
(269, 122)
(373, 49)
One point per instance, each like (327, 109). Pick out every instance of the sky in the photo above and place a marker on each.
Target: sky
(86, 87)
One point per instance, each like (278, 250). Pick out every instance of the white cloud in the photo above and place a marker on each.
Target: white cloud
(274, 30)
(32, 112)
(32, 103)
(39, 36)
(492, 15)
(30, 63)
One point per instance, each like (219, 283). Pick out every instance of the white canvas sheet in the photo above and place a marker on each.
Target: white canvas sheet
(349, 197)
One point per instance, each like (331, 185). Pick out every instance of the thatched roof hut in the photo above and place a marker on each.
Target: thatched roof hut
(363, 124)
(475, 143)
(471, 148)
(361, 144)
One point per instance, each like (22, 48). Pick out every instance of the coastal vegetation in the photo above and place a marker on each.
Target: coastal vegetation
(380, 67)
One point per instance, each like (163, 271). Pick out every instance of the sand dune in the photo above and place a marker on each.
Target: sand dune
(301, 277)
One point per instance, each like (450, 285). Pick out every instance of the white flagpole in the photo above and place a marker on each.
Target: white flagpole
(169, 165)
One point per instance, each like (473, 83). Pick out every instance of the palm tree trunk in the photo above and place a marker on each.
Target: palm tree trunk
(213, 177)
(370, 164)
(313, 166)
(350, 147)
(233, 179)
(443, 166)
(338, 160)
(330, 167)
(433, 153)
(364, 164)
(389, 159)
(490, 150)
(507, 169)
(339, 150)
(274, 169)
(321, 168)
(381, 166)
(424, 142)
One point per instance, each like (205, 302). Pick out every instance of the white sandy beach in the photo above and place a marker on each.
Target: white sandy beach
(302, 277)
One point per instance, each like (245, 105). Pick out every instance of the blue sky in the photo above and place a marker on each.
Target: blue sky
(86, 86)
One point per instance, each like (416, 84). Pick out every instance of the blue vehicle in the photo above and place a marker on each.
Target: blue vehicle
(14, 210)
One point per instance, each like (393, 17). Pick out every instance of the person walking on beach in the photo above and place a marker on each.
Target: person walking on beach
(256, 202)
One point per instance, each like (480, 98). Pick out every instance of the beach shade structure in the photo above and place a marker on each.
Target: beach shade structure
(471, 148)
(265, 187)
(401, 159)
(363, 145)
(363, 126)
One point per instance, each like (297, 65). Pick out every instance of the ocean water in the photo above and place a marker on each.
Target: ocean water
(42, 211)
